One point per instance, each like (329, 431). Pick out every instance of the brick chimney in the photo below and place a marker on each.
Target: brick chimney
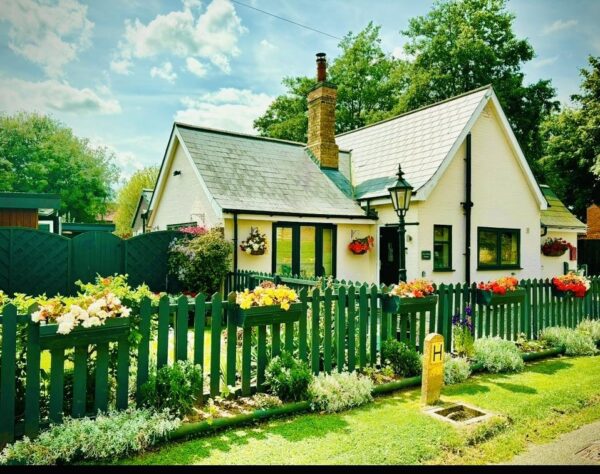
(321, 118)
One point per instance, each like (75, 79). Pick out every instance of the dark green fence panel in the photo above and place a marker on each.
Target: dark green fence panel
(146, 259)
(34, 262)
(96, 253)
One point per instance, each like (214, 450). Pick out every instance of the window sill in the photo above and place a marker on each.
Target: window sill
(499, 268)
(441, 270)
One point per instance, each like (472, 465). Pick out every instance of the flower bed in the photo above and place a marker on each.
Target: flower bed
(570, 284)
(407, 297)
(504, 290)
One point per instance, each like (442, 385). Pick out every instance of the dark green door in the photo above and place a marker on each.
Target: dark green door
(96, 253)
(388, 255)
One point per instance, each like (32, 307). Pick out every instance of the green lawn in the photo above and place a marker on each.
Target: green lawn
(549, 398)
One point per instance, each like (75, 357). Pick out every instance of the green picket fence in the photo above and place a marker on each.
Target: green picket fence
(339, 329)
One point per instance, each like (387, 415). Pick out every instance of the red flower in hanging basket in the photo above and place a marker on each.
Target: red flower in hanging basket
(361, 246)
(555, 247)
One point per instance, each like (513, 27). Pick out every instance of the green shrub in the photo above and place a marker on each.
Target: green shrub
(575, 342)
(592, 328)
(176, 388)
(456, 370)
(405, 362)
(339, 391)
(498, 355)
(289, 378)
(109, 436)
(200, 264)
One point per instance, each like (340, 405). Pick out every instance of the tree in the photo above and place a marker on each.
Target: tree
(368, 82)
(461, 45)
(571, 153)
(129, 196)
(40, 154)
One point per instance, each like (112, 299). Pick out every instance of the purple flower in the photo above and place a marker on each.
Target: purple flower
(468, 310)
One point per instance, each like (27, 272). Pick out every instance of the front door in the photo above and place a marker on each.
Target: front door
(388, 255)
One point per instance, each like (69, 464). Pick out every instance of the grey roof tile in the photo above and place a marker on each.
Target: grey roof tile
(251, 173)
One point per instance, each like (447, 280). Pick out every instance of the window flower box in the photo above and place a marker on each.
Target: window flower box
(398, 304)
(265, 315)
(489, 298)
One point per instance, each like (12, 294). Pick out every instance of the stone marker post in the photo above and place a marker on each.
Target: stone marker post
(433, 369)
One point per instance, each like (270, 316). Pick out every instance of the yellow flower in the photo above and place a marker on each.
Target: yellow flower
(285, 305)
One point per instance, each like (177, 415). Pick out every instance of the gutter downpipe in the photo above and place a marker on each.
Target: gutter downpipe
(467, 205)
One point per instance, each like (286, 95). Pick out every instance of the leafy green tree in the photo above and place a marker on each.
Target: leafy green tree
(571, 158)
(40, 154)
(129, 196)
(461, 45)
(368, 82)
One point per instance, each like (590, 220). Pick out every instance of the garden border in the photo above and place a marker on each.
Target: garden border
(192, 429)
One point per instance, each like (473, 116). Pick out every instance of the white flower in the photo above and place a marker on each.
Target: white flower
(248, 250)
(35, 317)
(255, 246)
(93, 321)
(79, 313)
(125, 311)
(95, 306)
(102, 314)
(66, 323)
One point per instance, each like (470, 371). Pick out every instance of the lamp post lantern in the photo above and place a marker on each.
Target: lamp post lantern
(400, 193)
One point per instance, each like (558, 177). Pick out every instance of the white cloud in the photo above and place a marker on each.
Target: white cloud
(559, 25)
(212, 35)
(121, 66)
(228, 109)
(267, 44)
(164, 72)
(45, 33)
(195, 67)
(53, 95)
(544, 62)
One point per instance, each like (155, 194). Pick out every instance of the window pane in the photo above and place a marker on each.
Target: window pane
(441, 255)
(441, 233)
(509, 245)
(283, 259)
(328, 251)
(307, 251)
(487, 248)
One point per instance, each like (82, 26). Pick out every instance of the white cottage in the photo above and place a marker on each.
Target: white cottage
(476, 211)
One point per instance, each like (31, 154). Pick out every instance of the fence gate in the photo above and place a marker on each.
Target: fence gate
(96, 253)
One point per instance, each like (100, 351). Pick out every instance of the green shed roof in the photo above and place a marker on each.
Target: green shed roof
(557, 215)
(29, 201)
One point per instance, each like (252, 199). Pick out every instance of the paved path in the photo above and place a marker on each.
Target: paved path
(567, 449)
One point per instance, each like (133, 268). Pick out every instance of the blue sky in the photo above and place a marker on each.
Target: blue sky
(119, 73)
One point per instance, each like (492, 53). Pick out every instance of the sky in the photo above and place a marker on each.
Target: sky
(120, 73)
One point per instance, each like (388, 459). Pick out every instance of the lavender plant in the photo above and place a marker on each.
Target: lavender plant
(462, 332)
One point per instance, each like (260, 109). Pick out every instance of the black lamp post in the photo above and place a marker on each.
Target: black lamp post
(400, 192)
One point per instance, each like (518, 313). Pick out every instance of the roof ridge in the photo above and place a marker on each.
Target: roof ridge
(238, 134)
(404, 114)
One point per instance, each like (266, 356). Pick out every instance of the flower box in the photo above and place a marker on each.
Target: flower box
(111, 330)
(489, 298)
(564, 293)
(264, 315)
(257, 252)
(397, 304)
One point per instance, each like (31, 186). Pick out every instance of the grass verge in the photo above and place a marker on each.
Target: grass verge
(551, 397)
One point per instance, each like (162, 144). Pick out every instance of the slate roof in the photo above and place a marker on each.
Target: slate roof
(244, 172)
(557, 214)
(419, 140)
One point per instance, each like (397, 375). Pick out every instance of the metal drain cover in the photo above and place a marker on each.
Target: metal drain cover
(592, 452)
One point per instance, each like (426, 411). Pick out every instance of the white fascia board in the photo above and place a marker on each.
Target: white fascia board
(162, 177)
(427, 188)
(517, 149)
(213, 202)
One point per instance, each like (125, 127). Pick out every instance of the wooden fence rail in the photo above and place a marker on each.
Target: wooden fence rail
(341, 328)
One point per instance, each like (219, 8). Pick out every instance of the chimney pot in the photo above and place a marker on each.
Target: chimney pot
(321, 67)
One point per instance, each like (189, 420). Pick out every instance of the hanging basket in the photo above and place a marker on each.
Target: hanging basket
(359, 252)
(554, 253)
(257, 252)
